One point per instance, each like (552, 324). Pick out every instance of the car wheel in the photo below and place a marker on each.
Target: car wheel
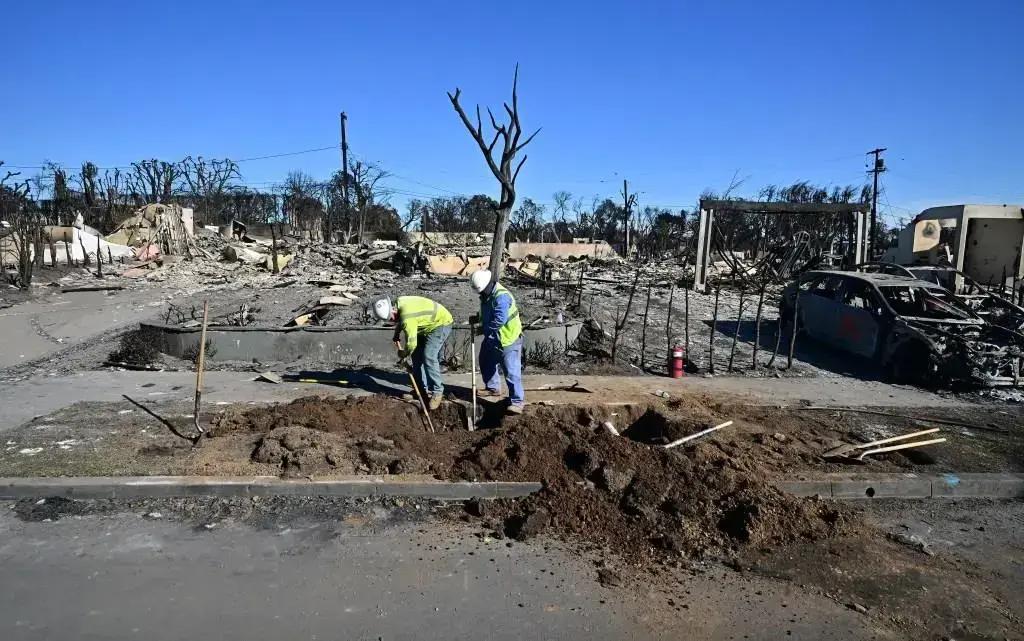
(911, 365)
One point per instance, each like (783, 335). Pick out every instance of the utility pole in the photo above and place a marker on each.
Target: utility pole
(628, 200)
(877, 168)
(344, 167)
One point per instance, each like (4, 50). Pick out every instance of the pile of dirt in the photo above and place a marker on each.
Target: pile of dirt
(354, 435)
(621, 492)
(639, 500)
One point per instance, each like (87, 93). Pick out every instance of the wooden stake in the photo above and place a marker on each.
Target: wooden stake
(199, 370)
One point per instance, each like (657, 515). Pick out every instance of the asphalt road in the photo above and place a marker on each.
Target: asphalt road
(363, 576)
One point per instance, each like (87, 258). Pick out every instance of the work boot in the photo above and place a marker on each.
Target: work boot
(488, 393)
(515, 409)
(408, 397)
(435, 402)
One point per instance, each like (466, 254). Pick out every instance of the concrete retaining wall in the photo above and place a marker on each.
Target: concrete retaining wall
(368, 345)
(598, 249)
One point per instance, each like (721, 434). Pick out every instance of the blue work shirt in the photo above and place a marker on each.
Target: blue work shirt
(493, 312)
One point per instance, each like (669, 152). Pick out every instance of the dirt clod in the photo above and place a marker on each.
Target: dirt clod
(527, 525)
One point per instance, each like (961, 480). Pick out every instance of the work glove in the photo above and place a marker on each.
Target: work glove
(403, 354)
(474, 319)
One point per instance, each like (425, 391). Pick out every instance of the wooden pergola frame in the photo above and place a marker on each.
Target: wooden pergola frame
(709, 207)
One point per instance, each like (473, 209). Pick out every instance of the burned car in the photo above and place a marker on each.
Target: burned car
(917, 331)
(993, 304)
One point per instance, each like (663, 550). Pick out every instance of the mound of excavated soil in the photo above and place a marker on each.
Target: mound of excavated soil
(624, 492)
(357, 435)
(637, 499)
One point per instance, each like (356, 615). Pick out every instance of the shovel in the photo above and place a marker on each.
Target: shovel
(849, 451)
(472, 355)
(200, 362)
(416, 390)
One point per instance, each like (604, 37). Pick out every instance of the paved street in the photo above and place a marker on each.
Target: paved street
(358, 577)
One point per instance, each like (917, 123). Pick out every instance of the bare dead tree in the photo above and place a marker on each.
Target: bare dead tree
(25, 231)
(643, 337)
(757, 322)
(795, 327)
(208, 183)
(714, 326)
(620, 323)
(736, 334)
(509, 134)
(668, 321)
(365, 181)
(153, 181)
(686, 323)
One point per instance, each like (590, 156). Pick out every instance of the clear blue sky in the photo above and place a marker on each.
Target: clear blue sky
(675, 96)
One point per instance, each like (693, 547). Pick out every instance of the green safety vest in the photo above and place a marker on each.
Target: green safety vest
(513, 327)
(420, 315)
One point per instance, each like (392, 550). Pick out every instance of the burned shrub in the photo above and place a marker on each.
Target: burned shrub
(139, 346)
(191, 352)
(543, 355)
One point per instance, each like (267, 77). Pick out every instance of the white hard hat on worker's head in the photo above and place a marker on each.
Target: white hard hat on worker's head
(382, 309)
(480, 280)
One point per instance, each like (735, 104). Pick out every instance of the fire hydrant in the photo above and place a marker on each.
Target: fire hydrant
(675, 362)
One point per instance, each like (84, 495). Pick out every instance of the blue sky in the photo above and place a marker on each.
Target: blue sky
(675, 96)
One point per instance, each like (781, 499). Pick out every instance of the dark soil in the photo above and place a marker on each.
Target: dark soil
(637, 499)
(634, 497)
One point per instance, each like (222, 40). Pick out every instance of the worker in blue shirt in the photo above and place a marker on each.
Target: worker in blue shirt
(502, 345)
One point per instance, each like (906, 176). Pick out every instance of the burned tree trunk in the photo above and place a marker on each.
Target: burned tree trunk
(736, 334)
(714, 326)
(643, 337)
(757, 324)
(509, 134)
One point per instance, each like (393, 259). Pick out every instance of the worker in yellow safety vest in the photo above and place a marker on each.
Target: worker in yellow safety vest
(426, 325)
(502, 345)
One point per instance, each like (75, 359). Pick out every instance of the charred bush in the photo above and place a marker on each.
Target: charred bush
(137, 347)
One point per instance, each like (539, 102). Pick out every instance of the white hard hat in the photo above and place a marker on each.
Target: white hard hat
(479, 280)
(382, 309)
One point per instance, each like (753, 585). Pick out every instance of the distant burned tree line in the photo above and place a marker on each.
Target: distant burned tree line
(214, 190)
(654, 230)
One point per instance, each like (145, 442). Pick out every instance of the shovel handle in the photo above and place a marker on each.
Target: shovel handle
(901, 446)
(893, 439)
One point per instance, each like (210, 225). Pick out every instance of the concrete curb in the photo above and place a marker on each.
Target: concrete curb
(113, 487)
(909, 486)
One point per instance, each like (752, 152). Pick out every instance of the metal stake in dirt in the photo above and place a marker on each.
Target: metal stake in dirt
(200, 361)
